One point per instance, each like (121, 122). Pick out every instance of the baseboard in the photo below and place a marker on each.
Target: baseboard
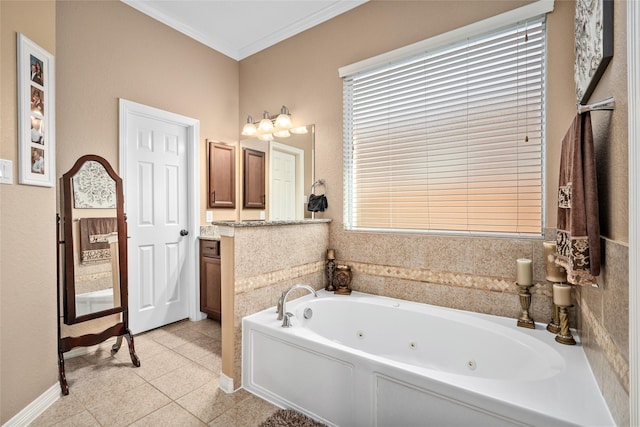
(35, 408)
(226, 383)
(78, 351)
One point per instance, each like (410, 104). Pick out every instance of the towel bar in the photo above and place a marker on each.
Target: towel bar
(606, 104)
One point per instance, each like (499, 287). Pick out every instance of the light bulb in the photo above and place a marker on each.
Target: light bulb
(249, 127)
(284, 119)
(266, 125)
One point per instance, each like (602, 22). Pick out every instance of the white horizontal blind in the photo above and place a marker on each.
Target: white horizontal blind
(451, 140)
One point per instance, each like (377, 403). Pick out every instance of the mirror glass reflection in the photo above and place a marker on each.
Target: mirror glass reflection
(289, 175)
(94, 227)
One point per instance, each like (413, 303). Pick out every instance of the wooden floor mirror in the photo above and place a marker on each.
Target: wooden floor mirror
(92, 261)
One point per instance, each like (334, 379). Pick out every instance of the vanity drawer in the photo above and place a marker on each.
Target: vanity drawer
(210, 248)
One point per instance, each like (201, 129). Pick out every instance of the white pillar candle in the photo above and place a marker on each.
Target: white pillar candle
(555, 273)
(562, 295)
(524, 272)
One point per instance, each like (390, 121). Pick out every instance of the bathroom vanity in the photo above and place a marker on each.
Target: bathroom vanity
(210, 280)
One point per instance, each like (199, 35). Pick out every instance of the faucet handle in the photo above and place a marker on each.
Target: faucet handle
(286, 322)
(279, 306)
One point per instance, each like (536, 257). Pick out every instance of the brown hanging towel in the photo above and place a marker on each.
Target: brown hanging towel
(578, 237)
(94, 246)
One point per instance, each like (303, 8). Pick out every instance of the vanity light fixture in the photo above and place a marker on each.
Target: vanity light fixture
(272, 126)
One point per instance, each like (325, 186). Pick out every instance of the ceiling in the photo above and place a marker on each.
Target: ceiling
(240, 28)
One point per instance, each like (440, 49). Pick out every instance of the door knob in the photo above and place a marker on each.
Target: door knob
(183, 232)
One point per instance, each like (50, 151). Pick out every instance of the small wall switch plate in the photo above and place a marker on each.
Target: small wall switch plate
(262, 215)
(209, 216)
(6, 171)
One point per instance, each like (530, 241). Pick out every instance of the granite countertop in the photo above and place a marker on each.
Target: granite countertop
(204, 237)
(212, 232)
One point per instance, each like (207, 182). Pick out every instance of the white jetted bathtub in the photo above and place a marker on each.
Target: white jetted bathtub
(364, 360)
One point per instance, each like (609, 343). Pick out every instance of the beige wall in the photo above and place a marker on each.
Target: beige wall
(468, 273)
(314, 93)
(611, 131)
(108, 50)
(604, 311)
(140, 60)
(27, 235)
(104, 50)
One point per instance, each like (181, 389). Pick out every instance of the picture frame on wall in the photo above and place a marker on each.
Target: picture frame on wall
(593, 44)
(36, 101)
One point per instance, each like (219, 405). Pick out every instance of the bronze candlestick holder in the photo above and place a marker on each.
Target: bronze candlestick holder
(330, 269)
(564, 335)
(554, 324)
(554, 274)
(525, 320)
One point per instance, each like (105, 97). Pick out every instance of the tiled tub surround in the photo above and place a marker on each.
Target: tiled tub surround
(259, 261)
(603, 325)
(478, 274)
(475, 274)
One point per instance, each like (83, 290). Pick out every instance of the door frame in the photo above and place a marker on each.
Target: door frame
(633, 99)
(299, 156)
(130, 108)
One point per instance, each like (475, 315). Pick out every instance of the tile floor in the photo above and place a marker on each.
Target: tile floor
(176, 384)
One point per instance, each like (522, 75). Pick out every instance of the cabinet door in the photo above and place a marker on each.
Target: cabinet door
(210, 280)
(254, 179)
(210, 300)
(222, 175)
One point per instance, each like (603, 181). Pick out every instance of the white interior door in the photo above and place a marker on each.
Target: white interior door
(157, 203)
(286, 192)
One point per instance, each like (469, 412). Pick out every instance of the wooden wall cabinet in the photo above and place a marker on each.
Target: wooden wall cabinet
(222, 175)
(210, 280)
(254, 179)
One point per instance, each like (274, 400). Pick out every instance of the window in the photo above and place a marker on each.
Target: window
(450, 140)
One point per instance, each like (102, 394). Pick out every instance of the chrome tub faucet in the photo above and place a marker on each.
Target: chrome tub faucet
(282, 304)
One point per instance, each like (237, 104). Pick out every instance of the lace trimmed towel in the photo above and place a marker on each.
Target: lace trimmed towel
(94, 234)
(578, 237)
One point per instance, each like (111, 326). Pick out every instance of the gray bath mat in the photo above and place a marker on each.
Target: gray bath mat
(289, 418)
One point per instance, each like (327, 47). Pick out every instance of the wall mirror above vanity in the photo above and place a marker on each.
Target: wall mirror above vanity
(288, 176)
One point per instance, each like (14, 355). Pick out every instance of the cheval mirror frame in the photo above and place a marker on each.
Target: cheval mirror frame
(68, 262)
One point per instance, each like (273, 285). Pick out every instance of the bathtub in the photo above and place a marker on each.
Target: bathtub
(364, 360)
(95, 301)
